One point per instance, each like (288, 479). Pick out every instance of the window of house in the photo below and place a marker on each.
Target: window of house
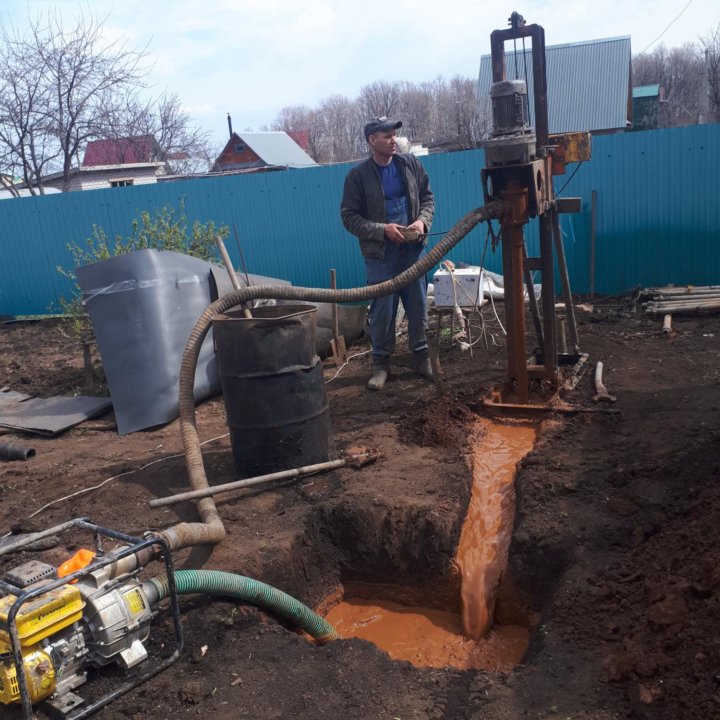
(240, 148)
(121, 183)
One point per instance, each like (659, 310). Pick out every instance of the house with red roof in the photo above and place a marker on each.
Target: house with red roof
(116, 162)
(253, 151)
(122, 151)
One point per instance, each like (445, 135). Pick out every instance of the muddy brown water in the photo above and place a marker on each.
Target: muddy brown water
(436, 638)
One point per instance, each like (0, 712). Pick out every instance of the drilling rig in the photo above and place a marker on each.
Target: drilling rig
(521, 160)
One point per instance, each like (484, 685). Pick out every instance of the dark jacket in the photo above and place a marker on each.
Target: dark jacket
(363, 202)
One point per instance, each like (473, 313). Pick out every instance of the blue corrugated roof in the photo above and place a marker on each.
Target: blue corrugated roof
(645, 91)
(588, 83)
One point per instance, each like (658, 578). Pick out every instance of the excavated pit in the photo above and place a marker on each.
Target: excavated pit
(464, 631)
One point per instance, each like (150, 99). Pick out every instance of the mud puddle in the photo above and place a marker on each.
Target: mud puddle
(437, 638)
(426, 637)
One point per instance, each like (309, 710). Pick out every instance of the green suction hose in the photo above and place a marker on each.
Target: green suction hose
(223, 584)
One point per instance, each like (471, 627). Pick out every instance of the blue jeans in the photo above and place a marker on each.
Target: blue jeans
(383, 310)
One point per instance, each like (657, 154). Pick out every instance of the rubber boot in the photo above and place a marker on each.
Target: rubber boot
(424, 368)
(378, 379)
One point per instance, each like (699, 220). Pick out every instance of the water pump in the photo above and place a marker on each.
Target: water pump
(57, 623)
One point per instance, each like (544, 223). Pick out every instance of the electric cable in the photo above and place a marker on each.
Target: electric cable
(82, 491)
(572, 175)
(672, 22)
(351, 357)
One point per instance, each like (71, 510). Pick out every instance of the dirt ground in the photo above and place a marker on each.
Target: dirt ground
(615, 553)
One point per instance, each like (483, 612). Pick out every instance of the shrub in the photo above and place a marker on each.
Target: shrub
(167, 229)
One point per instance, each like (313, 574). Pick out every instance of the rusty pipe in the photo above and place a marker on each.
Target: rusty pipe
(248, 482)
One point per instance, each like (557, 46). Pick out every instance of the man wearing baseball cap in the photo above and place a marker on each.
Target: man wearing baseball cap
(388, 205)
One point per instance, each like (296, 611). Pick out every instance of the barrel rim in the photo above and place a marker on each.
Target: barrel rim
(294, 311)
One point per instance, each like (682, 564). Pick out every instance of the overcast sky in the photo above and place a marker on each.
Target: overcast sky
(253, 57)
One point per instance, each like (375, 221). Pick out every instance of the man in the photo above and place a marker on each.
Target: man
(387, 203)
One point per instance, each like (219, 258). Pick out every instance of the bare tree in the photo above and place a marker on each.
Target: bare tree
(415, 109)
(679, 72)
(302, 118)
(710, 45)
(342, 127)
(27, 147)
(66, 75)
(379, 99)
(440, 113)
(464, 112)
(156, 129)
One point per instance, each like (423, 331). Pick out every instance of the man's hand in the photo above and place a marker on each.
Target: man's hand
(393, 232)
(418, 225)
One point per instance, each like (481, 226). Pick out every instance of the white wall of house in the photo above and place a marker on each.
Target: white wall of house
(97, 180)
(118, 176)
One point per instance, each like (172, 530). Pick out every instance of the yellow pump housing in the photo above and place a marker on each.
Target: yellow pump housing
(39, 675)
(36, 620)
(41, 617)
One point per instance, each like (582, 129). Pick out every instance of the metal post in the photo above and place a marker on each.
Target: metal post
(513, 252)
(518, 243)
(534, 310)
(593, 221)
(565, 277)
(548, 299)
(511, 336)
(333, 286)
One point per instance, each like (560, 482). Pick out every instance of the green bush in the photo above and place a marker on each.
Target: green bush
(166, 229)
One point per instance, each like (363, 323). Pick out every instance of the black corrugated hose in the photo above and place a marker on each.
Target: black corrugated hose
(211, 531)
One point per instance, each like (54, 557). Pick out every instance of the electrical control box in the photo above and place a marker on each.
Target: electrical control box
(460, 287)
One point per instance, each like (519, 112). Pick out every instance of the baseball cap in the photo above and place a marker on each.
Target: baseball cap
(381, 124)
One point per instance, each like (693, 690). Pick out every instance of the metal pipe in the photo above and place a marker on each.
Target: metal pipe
(565, 277)
(690, 302)
(562, 339)
(518, 309)
(511, 337)
(601, 392)
(537, 33)
(693, 300)
(515, 197)
(228, 266)
(593, 225)
(34, 537)
(686, 290)
(548, 299)
(667, 325)
(242, 256)
(435, 363)
(248, 482)
(683, 308)
(335, 320)
(685, 299)
(532, 300)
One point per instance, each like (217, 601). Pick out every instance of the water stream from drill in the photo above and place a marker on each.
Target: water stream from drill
(485, 539)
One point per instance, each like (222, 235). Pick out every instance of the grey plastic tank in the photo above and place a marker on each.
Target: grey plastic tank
(273, 387)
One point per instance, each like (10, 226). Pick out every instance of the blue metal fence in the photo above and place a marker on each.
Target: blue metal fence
(658, 219)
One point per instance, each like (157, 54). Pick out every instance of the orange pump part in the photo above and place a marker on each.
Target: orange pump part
(82, 558)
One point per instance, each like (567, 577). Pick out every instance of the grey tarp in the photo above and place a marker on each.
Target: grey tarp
(47, 416)
(143, 306)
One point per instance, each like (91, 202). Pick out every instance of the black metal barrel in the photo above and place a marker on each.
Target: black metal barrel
(273, 386)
